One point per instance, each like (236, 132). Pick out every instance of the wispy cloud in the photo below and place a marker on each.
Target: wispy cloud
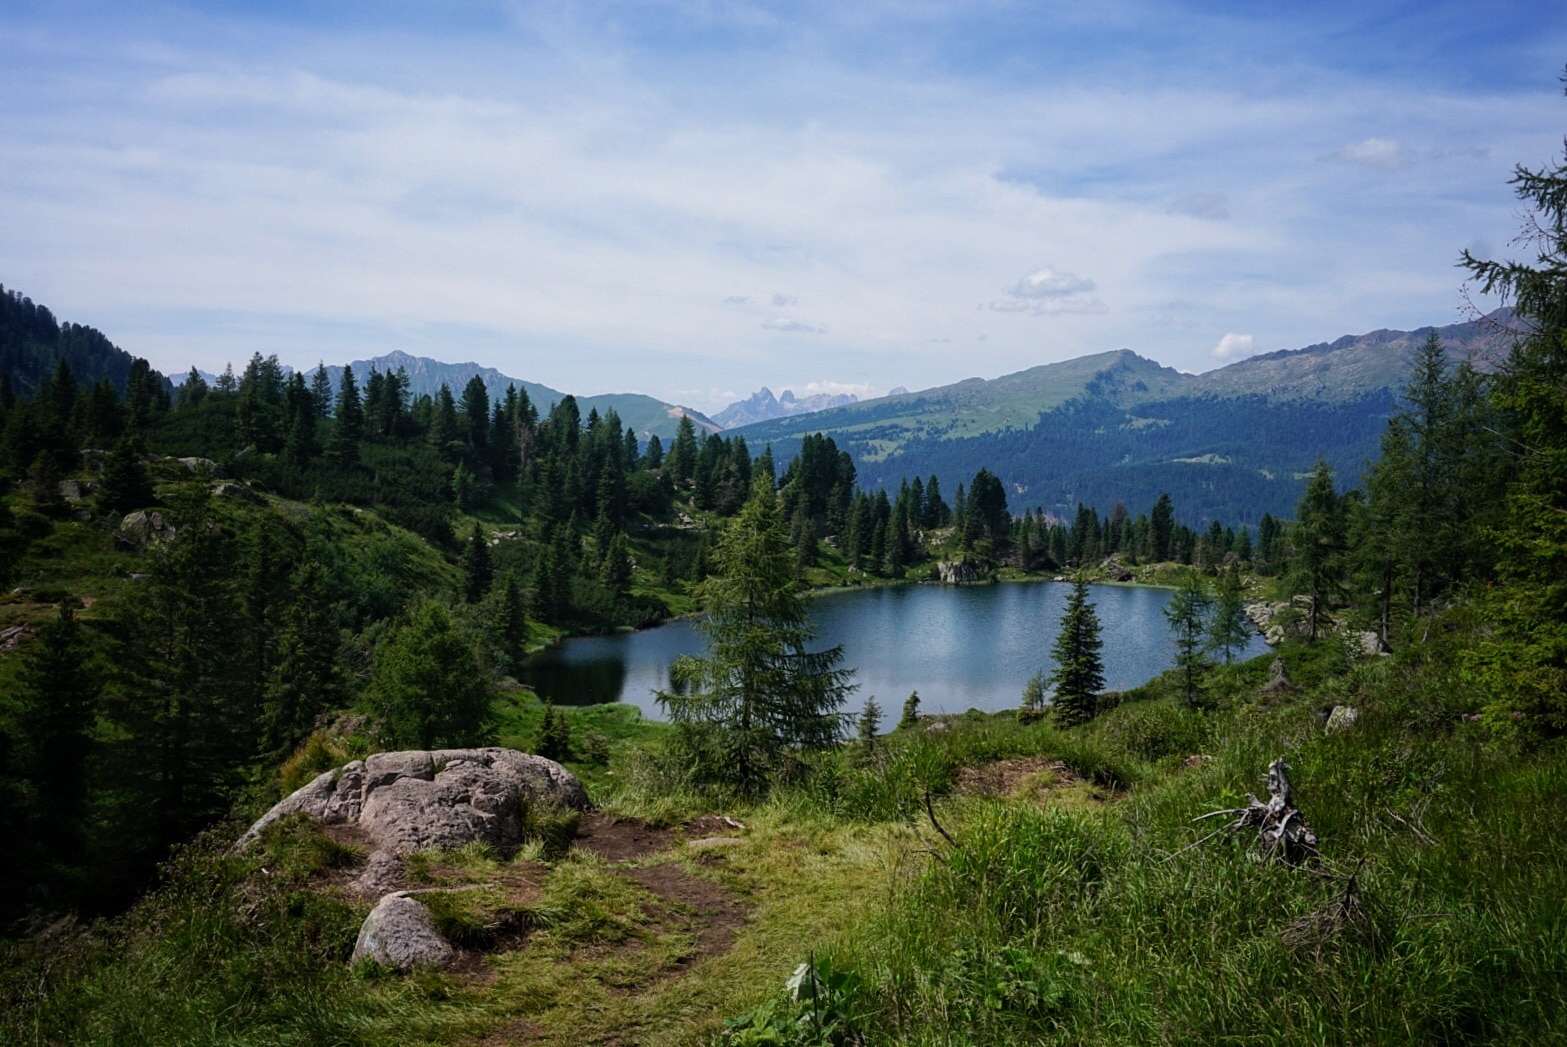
(1382, 153)
(779, 323)
(1050, 292)
(564, 201)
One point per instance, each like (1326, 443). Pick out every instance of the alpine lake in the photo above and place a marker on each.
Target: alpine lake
(961, 647)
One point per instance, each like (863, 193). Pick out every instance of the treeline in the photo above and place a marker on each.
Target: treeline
(33, 342)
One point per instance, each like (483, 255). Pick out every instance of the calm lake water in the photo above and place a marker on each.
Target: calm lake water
(960, 647)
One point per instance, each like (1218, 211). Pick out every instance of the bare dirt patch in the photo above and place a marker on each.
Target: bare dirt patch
(620, 840)
(1009, 777)
(699, 907)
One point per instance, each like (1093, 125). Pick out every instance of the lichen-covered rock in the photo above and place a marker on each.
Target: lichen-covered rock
(413, 800)
(226, 489)
(204, 466)
(400, 933)
(1342, 718)
(141, 527)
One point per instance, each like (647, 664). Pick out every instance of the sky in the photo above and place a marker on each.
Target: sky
(696, 198)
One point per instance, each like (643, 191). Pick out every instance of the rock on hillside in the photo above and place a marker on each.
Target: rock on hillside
(414, 800)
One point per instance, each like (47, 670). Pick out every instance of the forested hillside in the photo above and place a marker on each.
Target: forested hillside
(1230, 444)
(33, 342)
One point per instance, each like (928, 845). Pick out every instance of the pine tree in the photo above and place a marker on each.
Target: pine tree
(349, 421)
(426, 685)
(757, 690)
(1319, 539)
(553, 741)
(305, 679)
(56, 704)
(511, 624)
(1187, 613)
(1229, 629)
(1162, 529)
(126, 483)
(477, 571)
(911, 711)
(1079, 673)
(1034, 701)
(869, 722)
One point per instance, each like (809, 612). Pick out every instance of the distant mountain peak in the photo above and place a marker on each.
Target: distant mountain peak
(763, 406)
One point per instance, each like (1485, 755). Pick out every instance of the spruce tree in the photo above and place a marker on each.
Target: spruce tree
(869, 722)
(1229, 629)
(511, 624)
(1034, 699)
(349, 421)
(426, 685)
(126, 483)
(1319, 539)
(1187, 613)
(911, 711)
(477, 572)
(305, 680)
(56, 704)
(757, 690)
(1079, 672)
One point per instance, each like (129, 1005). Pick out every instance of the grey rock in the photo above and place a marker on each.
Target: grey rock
(75, 490)
(225, 489)
(414, 800)
(1342, 718)
(205, 466)
(1370, 643)
(142, 527)
(382, 872)
(956, 572)
(400, 933)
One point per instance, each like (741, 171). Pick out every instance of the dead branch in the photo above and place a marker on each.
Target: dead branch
(1282, 831)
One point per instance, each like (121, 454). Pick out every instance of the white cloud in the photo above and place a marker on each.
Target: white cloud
(784, 301)
(1050, 283)
(737, 299)
(779, 323)
(1382, 153)
(1049, 292)
(1234, 347)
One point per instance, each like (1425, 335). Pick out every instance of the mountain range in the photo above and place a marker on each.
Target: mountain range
(762, 406)
(1228, 444)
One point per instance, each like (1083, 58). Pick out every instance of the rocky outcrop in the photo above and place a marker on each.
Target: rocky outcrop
(204, 466)
(956, 572)
(400, 933)
(225, 489)
(1342, 718)
(141, 527)
(416, 800)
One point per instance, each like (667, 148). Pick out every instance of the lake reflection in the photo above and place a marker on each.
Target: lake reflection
(960, 647)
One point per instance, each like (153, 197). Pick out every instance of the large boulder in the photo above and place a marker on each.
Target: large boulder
(415, 800)
(957, 572)
(400, 932)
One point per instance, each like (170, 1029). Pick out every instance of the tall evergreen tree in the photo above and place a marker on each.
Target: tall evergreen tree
(1319, 539)
(56, 704)
(426, 686)
(1079, 674)
(305, 680)
(758, 689)
(349, 425)
(1229, 629)
(477, 571)
(1187, 612)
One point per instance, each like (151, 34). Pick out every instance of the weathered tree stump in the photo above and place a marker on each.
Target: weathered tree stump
(1282, 832)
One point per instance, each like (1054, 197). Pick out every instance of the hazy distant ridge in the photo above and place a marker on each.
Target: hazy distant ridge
(762, 406)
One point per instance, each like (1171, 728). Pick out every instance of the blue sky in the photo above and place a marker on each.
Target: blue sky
(694, 199)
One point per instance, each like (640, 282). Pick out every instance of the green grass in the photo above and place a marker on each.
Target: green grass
(1073, 910)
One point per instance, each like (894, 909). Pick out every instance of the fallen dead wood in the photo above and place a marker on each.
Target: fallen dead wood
(1282, 831)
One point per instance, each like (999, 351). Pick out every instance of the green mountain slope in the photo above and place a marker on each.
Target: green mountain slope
(33, 342)
(1230, 444)
(647, 415)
